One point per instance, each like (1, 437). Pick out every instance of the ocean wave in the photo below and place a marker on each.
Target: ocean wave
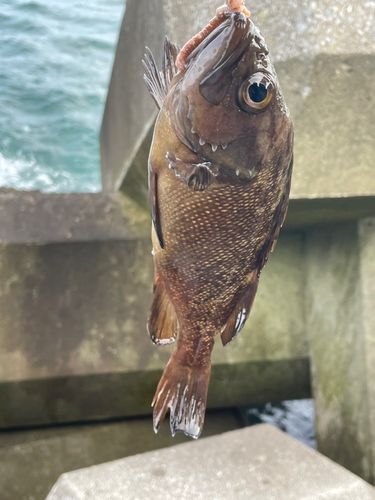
(56, 65)
(26, 175)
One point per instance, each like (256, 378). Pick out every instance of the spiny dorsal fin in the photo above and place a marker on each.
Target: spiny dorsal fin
(162, 322)
(157, 81)
(241, 311)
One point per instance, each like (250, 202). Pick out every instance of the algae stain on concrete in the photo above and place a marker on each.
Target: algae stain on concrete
(335, 324)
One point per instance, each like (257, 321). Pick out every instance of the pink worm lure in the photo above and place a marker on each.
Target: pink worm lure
(222, 13)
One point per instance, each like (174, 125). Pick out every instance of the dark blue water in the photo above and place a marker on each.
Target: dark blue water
(296, 418)
(55, 64)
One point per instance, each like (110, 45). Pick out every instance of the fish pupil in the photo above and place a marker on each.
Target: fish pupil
(257, 93)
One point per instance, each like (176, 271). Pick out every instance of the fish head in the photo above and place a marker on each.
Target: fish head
(226, 105)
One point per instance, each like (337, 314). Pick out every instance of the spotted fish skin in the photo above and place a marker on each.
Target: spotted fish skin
(217, 206)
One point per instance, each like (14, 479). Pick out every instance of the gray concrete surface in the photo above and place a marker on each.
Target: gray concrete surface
(128, 115)
(340, 305)
(260, 463)
(31, 217)
(40, 456)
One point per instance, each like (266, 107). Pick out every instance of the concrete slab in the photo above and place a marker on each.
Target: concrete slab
(261, 463)
(40, 456)
(32, 217)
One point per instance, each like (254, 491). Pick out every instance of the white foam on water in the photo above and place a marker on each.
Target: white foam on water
(22, 174)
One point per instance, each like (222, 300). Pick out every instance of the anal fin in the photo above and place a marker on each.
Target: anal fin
(241, 311)
(162, 321)
(197, 175)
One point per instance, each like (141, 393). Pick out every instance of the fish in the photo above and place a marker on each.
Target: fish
(219, 171)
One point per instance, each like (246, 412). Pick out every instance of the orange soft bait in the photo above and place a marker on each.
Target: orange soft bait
(222, 13)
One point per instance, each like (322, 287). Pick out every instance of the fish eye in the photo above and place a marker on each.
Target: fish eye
(256, 93)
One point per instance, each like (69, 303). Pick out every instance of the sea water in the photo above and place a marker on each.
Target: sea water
(55, 65)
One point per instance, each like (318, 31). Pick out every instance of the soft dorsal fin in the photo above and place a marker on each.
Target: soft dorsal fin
(241, 311)
(162, 321)
(157, 81)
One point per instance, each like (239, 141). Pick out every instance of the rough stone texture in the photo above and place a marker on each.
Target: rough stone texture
(34, 217)
(129, 114)
(292, 29)
(366, 231)
(40, 456)
(309, 212)
(341, 325)
(135, 183)
(73, 318)
(260, 463)
(310, 42)
(334, 145)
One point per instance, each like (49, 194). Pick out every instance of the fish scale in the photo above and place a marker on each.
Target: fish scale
(236, 245)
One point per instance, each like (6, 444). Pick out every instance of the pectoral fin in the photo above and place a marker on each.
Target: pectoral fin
(278, 220)
(197, 175)
(154, 204)
(241, 311)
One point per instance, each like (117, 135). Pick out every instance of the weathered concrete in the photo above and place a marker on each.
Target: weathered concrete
(31, 217)
(311, 43)
(258, 463)
(128, 115)
(341, 327)
(73, 318)
(304, 213)
(40, 456)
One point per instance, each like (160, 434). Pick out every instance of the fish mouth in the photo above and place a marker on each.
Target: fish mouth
(214, 145)
(231, 43)
(222, 51)
(206, 82)
(211, 63)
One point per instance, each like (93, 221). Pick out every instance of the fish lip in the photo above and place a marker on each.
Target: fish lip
(234, 40)
(236, 21)
(214, 145)
(229, 42)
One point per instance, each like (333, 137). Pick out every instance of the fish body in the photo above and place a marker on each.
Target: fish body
(219, 175)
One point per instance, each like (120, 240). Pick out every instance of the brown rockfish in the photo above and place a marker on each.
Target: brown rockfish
(219, 178)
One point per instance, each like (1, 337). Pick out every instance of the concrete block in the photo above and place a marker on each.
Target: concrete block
(260, 463)
(129, 114)
(73, 313)
(31, 217)
(340, 307)
(40, 456)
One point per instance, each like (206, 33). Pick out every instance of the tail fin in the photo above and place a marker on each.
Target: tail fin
(182, 389)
